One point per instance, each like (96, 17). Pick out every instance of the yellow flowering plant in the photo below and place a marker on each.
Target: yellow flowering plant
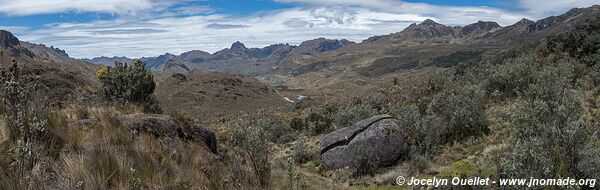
(102, 72)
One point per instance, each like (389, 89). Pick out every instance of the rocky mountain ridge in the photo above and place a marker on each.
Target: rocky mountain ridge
(238, 55)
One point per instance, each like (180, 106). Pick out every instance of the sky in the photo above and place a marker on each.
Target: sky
(145, 28)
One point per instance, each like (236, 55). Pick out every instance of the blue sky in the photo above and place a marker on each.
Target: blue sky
(137, 28)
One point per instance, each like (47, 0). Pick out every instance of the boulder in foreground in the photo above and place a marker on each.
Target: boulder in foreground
(379, 141)
(167, 126)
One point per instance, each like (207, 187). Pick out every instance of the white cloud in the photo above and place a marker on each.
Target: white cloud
(32, 7)
(14, 29)
(386, 4)
(542, 8)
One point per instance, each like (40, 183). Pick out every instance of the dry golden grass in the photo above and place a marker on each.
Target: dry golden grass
(109, 156)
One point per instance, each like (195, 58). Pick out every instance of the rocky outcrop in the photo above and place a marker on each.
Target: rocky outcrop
(426, 29)
(7, 39)
(379, 140)
(165, 126)
(478, 29)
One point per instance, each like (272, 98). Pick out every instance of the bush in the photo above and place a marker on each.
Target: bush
(548, 136)
(361, 166)
(595, 74)
(318, 123)
(279, 133)
(350, 115)
(23, 103)
(300, 154)
(296, 179)
(297, 124)
(127, 83)
(463, 113)
(24, 109)
(251, 139)
(511, 79)
(408, 115)
(589, 159)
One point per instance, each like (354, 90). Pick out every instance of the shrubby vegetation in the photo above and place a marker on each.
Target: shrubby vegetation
(23, 111)
(125, 83)
(251, 139)
(541, 90)
(348, 116)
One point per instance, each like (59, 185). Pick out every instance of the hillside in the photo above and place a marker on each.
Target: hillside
(213, 95)
(416, 50)
(69, 80)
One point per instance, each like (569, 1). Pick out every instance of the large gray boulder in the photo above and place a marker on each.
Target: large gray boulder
(167, 126)
(380, 141)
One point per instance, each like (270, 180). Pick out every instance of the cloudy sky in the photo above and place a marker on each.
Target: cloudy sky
(136, 28)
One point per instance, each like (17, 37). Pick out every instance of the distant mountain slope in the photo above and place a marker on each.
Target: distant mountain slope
(489, 32)
(238, 58)
(419, 48)
(214, 95)
(109, 61)
(68, 80)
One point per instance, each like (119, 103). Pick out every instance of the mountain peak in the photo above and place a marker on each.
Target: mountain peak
(238, 46)
(524, 21)
(486, 25)
(7, 39)
(429, 22)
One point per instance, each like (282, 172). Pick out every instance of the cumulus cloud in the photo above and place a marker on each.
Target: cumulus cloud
(14, 29)
(541, 8)
(386, 4)
(225, 26)
(32, 7)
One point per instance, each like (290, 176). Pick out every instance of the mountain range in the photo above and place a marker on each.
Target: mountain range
(238, 58)
(293, 60)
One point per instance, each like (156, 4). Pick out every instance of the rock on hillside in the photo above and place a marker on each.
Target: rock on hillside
(7, 39)
(165, 126)
(379, 140)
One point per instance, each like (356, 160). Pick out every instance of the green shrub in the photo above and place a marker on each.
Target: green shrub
(296, 179)
(463, 113)
(548, 136)
(300, 154)
(318, 123)
(279, 133)
(127, 83)
(251, 139)
(590, 159)
(24, 103)
(594, 73)
(297, 124)
(362, 166)
(511, 79)
(24, 108)
(408, 115)
(350, 115)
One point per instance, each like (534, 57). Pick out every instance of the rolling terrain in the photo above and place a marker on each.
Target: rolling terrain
(480, 100)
